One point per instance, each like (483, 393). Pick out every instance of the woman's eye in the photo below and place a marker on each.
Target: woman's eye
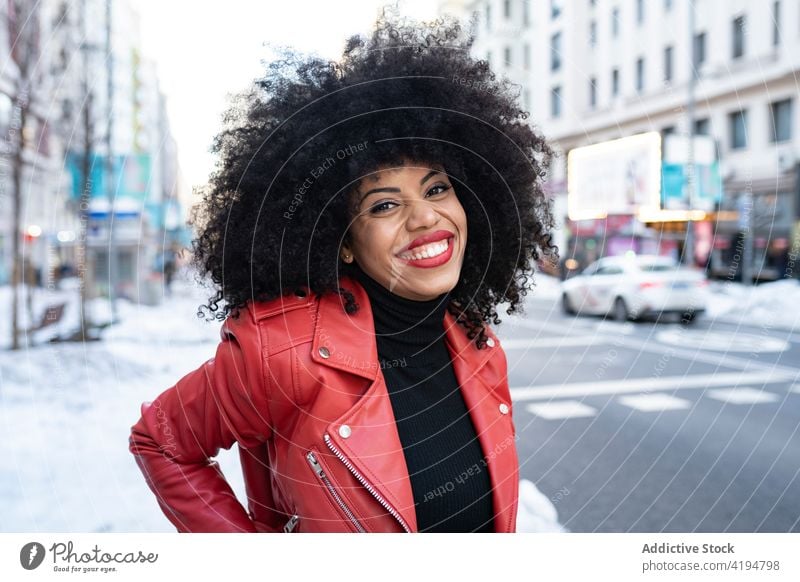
(380, 207)
(439, 188)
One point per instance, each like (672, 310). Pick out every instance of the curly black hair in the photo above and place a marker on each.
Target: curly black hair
(277, 206)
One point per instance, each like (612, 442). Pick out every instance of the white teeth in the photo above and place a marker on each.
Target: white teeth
(427, 251)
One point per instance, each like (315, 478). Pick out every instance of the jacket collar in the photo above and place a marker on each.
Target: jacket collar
(335, 331)
(373, 447)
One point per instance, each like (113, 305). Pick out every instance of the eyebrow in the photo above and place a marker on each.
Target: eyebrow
(389, 189)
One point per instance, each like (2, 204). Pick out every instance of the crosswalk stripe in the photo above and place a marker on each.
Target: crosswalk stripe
(654, 402)
(742, 395)
(561, 409)
(555, 342)
(631, 385)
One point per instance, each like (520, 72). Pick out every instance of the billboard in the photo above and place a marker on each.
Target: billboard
(131, 176)
(622, 176)
(707, 190)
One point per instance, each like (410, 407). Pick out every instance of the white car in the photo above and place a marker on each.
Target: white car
(630, 287)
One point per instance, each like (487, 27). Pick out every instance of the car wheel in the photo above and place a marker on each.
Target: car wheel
(566, 305)
(621, 312)
(688, 317)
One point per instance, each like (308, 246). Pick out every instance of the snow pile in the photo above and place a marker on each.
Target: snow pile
(769, 304)
(536, 513)
(65, 415)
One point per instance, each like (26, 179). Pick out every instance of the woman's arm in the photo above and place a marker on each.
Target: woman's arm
(221, 402)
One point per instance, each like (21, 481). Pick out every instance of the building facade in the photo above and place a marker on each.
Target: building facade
(591, 71)
(131, 151)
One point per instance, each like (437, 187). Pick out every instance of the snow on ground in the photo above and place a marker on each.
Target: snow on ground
(536, 513)
(66, 411)
(772, 304)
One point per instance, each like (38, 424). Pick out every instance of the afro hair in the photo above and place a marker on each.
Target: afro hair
(293, 147)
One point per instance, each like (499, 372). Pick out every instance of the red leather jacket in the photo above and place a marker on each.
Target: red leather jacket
(296, 383)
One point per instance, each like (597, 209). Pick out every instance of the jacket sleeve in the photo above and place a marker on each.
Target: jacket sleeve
(221, 402)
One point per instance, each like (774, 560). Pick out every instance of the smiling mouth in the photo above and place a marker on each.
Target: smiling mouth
(427, 251)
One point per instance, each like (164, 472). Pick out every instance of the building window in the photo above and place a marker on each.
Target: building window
(592, 93)
(776, 26)
(507, 9)
(526, 13)
(702, 126)
(668, 130)
(639, 11)
(593, 33)
(526, 56)
(615, 22)
(738, 25)
(555, 102)
(489, 58)
(526, 99)
(555, 9)
(738, 129)
(614, 82)
(640, 74)
(699, 51)
(507, 56)
(488, 13)
(555, 52)
(780, 116)
(667, 5)
(668, 64)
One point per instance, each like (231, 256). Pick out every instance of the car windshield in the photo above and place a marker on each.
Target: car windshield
(657, 267)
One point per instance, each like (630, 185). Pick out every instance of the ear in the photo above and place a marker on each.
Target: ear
(346, 253)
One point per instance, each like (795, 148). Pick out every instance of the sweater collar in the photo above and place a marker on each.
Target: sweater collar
(404, 327)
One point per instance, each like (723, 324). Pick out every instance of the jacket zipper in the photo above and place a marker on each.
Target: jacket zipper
(289, 526)
(364, 482)
(312, 460)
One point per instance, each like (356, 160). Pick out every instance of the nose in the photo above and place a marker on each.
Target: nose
(421, 215)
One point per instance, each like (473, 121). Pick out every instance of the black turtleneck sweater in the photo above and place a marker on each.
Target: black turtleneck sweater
(452, 491)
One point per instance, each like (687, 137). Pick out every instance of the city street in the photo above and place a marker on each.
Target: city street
(622, 427)
(645, 427)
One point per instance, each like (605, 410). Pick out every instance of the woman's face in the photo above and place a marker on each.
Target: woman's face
(409, 205)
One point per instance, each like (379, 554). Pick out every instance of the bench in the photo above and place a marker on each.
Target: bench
(52, 315)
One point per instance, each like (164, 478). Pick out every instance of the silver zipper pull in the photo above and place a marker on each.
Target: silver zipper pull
(291, 523)
(312, 460)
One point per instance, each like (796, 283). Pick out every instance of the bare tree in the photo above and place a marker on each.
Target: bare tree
(69, 28)
(24, 32)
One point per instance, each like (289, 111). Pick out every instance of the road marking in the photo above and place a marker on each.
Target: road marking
(562, 409)
(722, 341)
(645, 384)
(555, 326)
(742, 395)
(615, 327)
(696, 356)
(554, 342)
(654, 402)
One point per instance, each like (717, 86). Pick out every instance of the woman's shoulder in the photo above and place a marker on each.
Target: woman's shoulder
(291, 315)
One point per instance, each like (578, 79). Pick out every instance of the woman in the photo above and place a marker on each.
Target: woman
(365, 220)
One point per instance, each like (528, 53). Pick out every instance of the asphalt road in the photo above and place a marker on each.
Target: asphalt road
(657, 427)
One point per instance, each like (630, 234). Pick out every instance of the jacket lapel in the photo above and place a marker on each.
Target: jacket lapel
(494, 429)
